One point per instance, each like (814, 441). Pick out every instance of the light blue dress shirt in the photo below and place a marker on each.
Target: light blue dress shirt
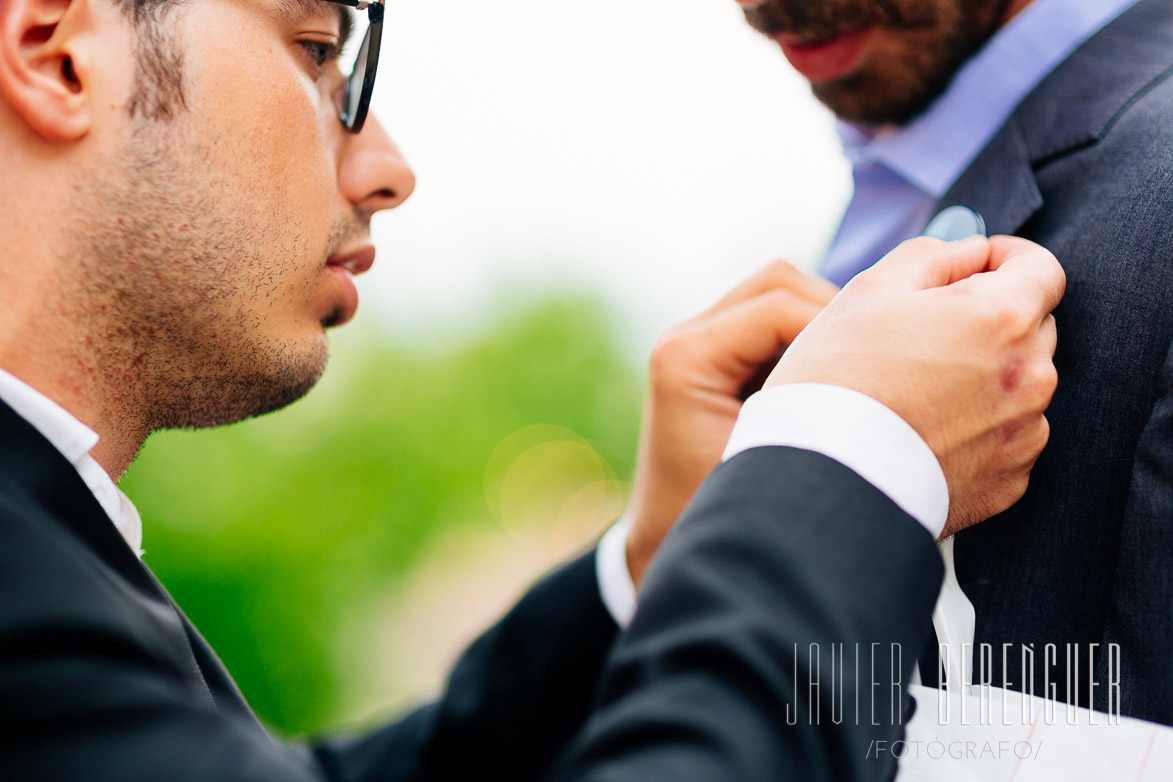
(901, 173)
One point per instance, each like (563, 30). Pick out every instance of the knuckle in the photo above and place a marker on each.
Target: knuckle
(920, 247)
(867, 280)
(1031, 441)
(670, 350)
(1013, 311)
(1042, 388)
(1042, 432)
(780, 298)
(782, 270)
(921, 251)
(1050, 332)
(1014, 315)
(1022, 439)
(1046, 258)
(1059, 275)
(1049, 379)
(910, 251)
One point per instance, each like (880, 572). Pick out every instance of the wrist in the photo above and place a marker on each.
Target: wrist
(639, 546)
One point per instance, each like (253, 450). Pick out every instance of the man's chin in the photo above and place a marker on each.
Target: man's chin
(853, 99)
(234, 395)
(885, 99)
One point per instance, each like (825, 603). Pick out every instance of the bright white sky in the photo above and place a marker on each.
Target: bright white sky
(656, 151)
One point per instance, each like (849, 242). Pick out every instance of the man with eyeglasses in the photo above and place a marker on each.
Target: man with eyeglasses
(190, 186)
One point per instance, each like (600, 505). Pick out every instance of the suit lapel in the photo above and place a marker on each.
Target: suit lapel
(1071, 109)
(31, 467)
(36, 473)
(1000, 184)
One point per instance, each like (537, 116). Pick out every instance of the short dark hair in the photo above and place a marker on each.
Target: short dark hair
(158, 89)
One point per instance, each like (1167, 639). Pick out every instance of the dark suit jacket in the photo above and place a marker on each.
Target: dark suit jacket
(1085, 167)
(103, 678)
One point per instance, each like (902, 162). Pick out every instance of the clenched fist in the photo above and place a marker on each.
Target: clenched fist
(958, 339)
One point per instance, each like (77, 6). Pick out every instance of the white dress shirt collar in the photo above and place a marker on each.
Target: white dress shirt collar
(74, 440)
(934, 149)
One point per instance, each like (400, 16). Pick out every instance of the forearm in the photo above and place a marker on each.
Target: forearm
(781, 549)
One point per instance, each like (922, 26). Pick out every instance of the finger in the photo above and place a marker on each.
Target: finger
(1038, 388)
(922, 262)
(1043, 433)
(1025, 269)
(739, 339)
(1047, 375)
(1050, 334)
(778, 274)
(1026, 445)
(1004, 248)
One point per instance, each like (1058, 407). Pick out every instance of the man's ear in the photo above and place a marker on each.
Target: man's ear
(41, 77)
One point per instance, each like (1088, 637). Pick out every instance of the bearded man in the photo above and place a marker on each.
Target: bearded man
(1053, 119)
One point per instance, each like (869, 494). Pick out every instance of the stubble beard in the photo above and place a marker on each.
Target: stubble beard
(942, 35)
(167, 259)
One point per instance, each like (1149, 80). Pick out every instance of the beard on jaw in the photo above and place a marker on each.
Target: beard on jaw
(818, 20)
(173, 264)
(937, 37)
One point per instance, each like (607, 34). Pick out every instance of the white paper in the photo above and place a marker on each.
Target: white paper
(984, 736)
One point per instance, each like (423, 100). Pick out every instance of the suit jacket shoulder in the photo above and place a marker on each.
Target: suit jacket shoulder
(103, 677)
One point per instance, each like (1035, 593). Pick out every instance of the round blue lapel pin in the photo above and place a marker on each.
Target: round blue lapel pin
(955, 223)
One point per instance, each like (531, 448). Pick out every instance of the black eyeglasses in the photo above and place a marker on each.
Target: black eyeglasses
(359, 61)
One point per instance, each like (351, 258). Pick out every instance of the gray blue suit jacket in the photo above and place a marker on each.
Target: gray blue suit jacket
(1085, 167)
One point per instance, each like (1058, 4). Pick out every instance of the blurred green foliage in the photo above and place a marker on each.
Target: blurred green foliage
(264, 529)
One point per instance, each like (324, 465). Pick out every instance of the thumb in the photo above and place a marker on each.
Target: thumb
(923, 263)
(1025, 271)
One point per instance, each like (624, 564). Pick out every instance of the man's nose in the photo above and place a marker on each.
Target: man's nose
(373, 174)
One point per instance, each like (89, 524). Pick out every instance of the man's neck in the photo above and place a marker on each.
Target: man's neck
(119, 440)
(115, 454)
(54, 326)
(43, 344)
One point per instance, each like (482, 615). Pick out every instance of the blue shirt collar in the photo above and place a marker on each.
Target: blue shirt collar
(934, 149)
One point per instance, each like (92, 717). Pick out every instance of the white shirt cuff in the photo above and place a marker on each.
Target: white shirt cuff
(615, 584)
(854, 430)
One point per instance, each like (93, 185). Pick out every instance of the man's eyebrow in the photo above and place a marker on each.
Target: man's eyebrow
(294, 10)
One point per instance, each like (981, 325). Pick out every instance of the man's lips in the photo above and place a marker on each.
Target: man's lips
(827, 59)
(342, 267)
(355, 261)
